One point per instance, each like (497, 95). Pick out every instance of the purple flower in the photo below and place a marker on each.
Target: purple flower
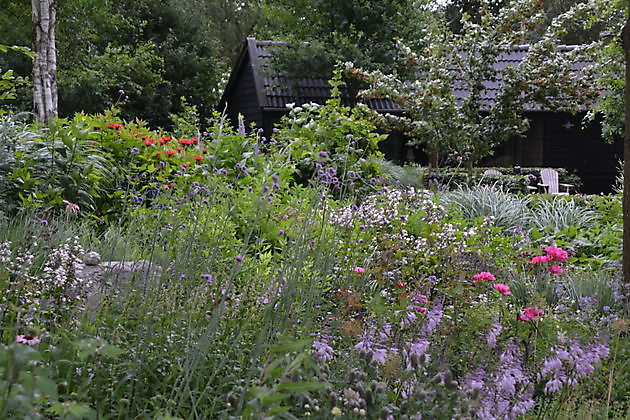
(135, 150)
(491, 337)
(433, 319)
(322, 350)
(323, 155)
(44, 222)
(281, 232)
(120, 91)
(209, 278)
(418, 348)
(552, 386)
(379, 355)
(239, 258)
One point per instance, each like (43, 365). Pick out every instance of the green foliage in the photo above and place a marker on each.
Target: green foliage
(46, 166)
(333, 138)
(186, 123)
(32, 381)
(9, 82)
(361, 31)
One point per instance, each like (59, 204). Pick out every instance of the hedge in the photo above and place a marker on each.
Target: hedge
(450, 178)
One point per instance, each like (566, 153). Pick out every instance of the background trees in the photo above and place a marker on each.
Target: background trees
(153, 51)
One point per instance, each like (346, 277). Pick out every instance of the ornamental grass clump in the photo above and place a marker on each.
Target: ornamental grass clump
(559, 213)
(504, 209)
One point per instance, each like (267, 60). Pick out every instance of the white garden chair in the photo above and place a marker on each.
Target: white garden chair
(550, 183)
(491, 172)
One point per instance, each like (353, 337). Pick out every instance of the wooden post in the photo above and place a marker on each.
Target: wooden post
(45, 64)
(626, 156)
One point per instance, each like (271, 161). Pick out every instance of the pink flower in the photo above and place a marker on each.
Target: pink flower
(358, 270)
(421, 309)
(556, 254)
(484, 275)
(530, 314)
(401, 284)
(27, 339)
(555, 269)
(502, 288)
(540, 259)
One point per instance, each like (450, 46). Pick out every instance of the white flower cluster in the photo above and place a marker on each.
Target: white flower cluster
(45, 296)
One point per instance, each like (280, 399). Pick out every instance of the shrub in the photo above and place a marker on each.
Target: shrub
(452, 178)
(510, 179)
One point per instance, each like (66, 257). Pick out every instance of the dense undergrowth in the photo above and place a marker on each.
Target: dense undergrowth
(297, 281)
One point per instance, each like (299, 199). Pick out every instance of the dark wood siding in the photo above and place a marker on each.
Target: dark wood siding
(569, 145)
(242, 97)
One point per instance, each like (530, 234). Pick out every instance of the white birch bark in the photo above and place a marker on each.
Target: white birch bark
(45, 63)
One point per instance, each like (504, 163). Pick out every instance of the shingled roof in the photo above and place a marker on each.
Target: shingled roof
(276, 91)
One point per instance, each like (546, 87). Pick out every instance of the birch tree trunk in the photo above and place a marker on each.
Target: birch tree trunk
(45, 64)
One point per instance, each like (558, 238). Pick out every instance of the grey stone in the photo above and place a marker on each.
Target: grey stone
(92, 258)
(111, 278)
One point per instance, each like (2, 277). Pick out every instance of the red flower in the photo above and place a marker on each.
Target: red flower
(401, 284)
(135, 133)
(198, 158)
(194, 139)
(185, 164)
(204, 150)
(179, 148)
(92, 143)
(148, 142)
(115, 126)
(186, 142)
(170, 153)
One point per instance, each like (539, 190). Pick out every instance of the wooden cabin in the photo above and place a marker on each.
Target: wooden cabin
(553, 140)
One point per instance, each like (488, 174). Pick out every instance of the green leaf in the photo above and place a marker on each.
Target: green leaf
(47, 388)
(295, 364)
(302, 386)
(274, 398)
(291, 346)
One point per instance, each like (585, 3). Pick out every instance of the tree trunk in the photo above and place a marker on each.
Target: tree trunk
(626, 157)
(45, 64)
